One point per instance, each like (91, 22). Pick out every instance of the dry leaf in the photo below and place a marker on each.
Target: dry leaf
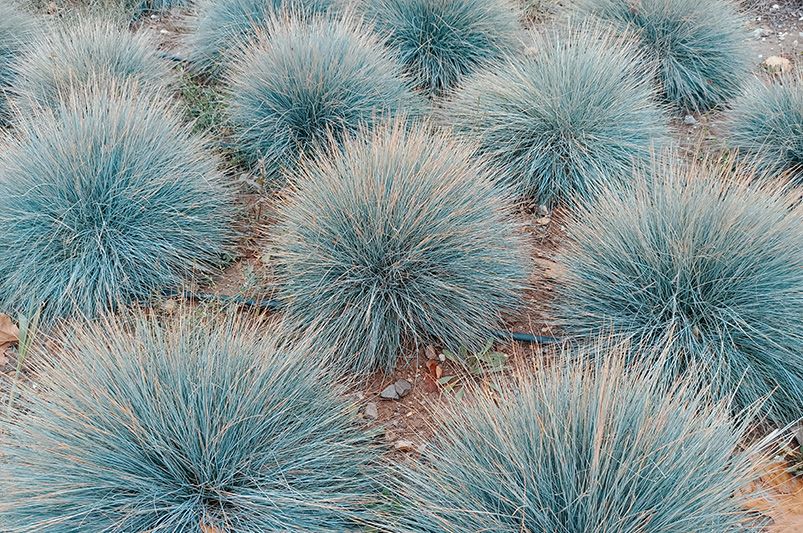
(435, 370)
(783, 501)
(9, 332)
(777, 64)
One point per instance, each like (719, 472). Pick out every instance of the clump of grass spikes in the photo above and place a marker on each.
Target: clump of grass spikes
(699, 47)
(219, 27)
(766, 126)
(566, 121)
(697, 258)
(306, 83)
(85, 51)
(401, 237)
(105, 200)
(576, 448)
(194, 424)
(442, 41)
(17, 28)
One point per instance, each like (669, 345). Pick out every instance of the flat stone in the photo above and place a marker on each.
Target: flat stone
(403, 387)
(389, 393)
(370, 411)
(689, 120)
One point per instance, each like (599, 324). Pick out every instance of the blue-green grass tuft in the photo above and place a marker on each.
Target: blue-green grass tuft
(402, 237)
(17, 28)
(766, 126)
(82, 52)
(580, 449)
(443, 41)
(565, 121)
(107, 199)
(192, 424)
(700, 48)
(306, 83)
(219, 27)
(698, 258)
(147, 6)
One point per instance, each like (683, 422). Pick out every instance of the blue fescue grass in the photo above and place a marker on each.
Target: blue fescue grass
(220, 26)
(442, 41)
(565, 121)
(403, 236)
(583, 449)
(700, 47)
(17, 28)
(123, 9)
(192, 424)
(305, 83)
(146, 6)
(698, 258)
(84, 51)
(107, 199)
(766, 126)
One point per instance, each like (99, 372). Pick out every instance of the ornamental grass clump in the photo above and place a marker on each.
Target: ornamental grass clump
(219, 27)
(402, 237)
(566, 121)
(193, 424)
(107, 199)
(575, 448)
(145, 6)
(83, 52)
(305, 84)
(697, 257)
(699, 47)
(766, 126)
(17, 28)
(442, 41)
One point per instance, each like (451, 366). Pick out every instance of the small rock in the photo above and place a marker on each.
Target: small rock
(758, 33)
(776, 7)
(777, 64)
(403, 387)
(404, 446)
(543, 221)
(164, 32)
(689, 120)
(543, 210)
(430, 351)
(370, 411)
(389, 393)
